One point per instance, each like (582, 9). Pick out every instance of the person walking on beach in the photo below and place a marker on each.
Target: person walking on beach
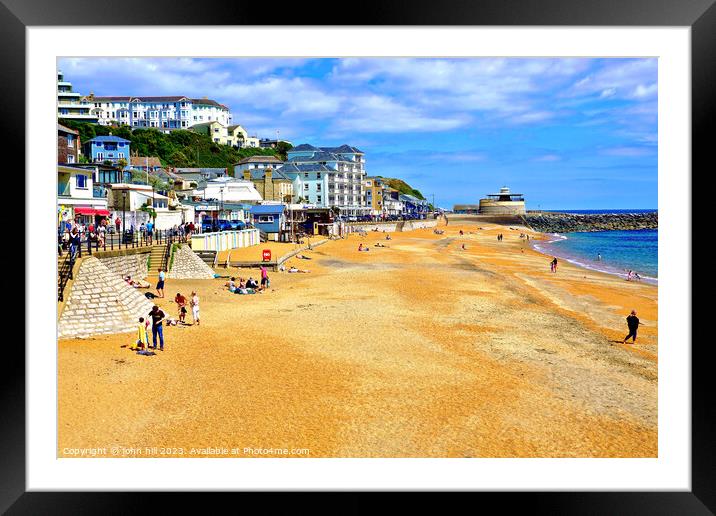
(160, 283)
(195, 307)
(157, 317)
(553, 264)
(75, 242)
(633, 325)
(599, 257)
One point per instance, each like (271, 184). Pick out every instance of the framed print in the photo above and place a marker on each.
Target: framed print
(444, 248)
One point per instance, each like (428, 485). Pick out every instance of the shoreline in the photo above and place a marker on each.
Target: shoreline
(556, 237)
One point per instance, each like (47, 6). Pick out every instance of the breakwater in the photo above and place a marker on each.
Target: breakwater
(552, 222)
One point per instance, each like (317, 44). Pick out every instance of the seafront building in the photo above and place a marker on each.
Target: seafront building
(255, 163)
(272, 185)
(70, 104)
(329, 177)
(77, 196)
(101, 149)
(503, 203)
(164, 113)
(68, 145)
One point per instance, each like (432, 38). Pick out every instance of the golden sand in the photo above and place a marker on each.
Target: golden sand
(420, 349)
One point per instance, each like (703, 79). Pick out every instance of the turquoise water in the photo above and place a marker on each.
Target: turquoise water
(619, 250)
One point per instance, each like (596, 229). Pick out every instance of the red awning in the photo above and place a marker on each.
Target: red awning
(102, 213)
(80, 210)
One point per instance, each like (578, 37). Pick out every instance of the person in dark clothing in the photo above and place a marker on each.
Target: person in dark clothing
(157, 317)
(633, 324)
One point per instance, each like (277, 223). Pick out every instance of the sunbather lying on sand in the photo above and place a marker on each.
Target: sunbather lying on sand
(378, 244)
(302, 257)
(294, 269)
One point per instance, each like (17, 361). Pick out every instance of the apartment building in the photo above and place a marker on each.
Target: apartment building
(70, 105)
(164, 113)
(330, 176)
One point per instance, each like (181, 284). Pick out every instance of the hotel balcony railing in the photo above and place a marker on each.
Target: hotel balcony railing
(99, 192)
(63, 190)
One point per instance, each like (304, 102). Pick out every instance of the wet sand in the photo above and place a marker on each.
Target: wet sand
(420, 349)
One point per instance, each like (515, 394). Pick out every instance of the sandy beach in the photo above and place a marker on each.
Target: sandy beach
(417, 349)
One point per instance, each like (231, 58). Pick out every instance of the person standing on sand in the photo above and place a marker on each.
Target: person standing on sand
(195, 307)
(160, 283)
(181, 305)
(264, 278)
(553, 265)
(633, 325)
(157, 317)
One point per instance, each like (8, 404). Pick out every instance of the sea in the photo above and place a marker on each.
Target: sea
(613, 252)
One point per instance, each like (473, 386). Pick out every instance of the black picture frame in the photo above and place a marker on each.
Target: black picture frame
(700, 15)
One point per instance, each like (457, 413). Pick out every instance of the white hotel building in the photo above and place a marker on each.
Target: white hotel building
(164, 113)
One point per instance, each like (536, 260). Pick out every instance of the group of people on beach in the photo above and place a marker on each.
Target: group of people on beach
(632, 275)
(156, 319)
(499, 237)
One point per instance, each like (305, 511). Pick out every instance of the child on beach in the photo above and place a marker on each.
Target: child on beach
(181, 305)
(142, 335)
(195, 307)
(231, 285)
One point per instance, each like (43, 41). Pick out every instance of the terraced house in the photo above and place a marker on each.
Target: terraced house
(329, 176)
(164, 113)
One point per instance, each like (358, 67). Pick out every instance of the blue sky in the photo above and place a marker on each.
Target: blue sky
(568, 133)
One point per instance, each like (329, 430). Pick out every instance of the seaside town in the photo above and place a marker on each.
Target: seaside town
(285, 299)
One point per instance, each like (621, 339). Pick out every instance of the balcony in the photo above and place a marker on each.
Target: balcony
(99, 192)
(63, 190)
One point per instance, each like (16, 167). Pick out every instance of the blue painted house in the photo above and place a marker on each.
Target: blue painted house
(270, 218)
(107, 148)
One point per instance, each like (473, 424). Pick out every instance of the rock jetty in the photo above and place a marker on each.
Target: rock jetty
(552, 222)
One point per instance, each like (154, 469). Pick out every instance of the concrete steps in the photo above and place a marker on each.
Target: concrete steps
(156, 259)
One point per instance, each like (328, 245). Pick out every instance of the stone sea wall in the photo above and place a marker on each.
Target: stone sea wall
(100, 303)
(134, 265)
(187, 265)
(551, 222)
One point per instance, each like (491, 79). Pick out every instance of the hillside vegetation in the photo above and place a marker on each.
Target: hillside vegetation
(177, 149)
(402, 187)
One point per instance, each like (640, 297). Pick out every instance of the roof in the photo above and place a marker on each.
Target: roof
(305, 147)
(208, 102)
(259, 173)
(268, 208)
(293, 168)
(142, 161)
(259, 159)
(109, 138)
(172, 98)
(343, 149)
(316, 156)
(64, 129)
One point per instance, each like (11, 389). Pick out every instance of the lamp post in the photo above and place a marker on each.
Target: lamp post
(221, 208)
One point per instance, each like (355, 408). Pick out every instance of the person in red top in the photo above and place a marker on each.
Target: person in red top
(181, 305)
(117, 223)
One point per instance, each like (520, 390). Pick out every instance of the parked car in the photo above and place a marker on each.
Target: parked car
(238, 224)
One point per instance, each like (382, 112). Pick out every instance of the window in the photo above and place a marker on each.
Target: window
(81, 181)
(265, 219)
(70, 158)
(318, 187)
(120, 155)
(318, 175)
(318, 198)
(305, 175)
(100, 156)
(305, 186)
(70, 140)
